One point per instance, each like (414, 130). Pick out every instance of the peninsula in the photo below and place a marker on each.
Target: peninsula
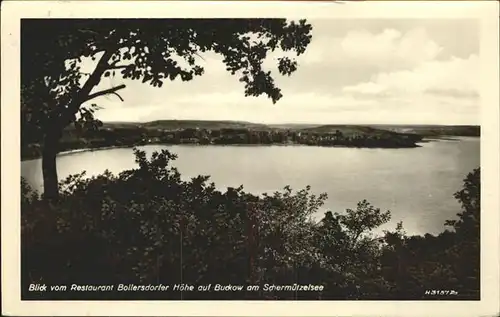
(128, 134)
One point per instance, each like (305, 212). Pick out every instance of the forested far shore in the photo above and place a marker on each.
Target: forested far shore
(241, 133)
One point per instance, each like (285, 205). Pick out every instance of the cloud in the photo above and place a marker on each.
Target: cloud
(454, 77)
(353, 73)
(389, 48)
(433, 91)
(299, 107)
(329, 63)
(453, 92)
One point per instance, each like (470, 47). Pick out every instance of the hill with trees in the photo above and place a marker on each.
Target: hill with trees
(201, 124)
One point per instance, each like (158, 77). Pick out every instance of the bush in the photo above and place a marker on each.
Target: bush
(147, 225)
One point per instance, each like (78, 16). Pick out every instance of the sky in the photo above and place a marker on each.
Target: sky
(355, 71)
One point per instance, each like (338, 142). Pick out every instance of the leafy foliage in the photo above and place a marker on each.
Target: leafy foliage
(55, 91)
(147, 225)
(54, 86)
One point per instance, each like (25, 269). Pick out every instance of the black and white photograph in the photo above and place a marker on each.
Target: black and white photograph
(277, 158)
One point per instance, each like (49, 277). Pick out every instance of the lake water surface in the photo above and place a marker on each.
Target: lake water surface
(416, 184)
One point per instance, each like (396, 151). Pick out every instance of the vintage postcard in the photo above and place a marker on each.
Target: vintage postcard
(250, 158)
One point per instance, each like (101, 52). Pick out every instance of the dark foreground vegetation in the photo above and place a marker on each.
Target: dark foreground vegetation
(148, 226)
(224, 133)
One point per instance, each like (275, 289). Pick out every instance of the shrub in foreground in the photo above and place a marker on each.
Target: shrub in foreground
(147, 225)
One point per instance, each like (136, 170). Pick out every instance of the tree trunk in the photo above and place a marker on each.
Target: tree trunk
(54, 129)
(49, 167)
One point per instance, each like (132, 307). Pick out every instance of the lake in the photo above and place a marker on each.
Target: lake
(416, 184)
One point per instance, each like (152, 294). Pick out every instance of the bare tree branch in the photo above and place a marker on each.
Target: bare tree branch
(115, 93)
(199, 56)
(84, 93)
(105, 92)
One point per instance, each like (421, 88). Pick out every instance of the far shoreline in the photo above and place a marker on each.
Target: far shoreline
(94, 149)
(425, 140)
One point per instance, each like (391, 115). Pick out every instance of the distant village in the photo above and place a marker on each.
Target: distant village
(233, 136)
(248, 136)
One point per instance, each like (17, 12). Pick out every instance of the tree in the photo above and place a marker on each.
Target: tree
(449, 260)
(55, 92)
(466, 254)
(469, 197)
(352, 251)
